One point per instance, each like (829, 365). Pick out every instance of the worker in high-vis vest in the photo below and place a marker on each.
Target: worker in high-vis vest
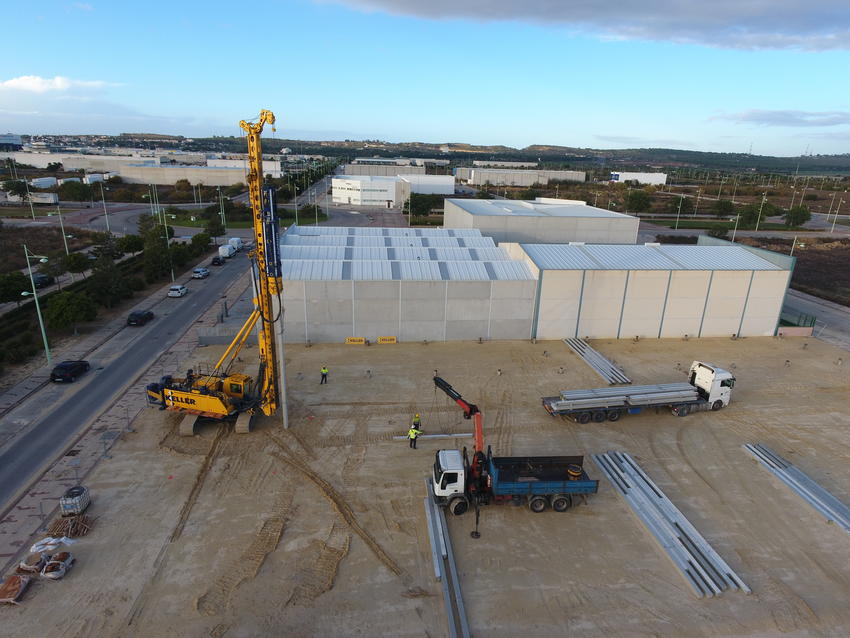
(324, 375)
(412, 433)
(417, 422)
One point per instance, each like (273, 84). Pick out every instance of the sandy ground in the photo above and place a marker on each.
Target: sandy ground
(319, 530)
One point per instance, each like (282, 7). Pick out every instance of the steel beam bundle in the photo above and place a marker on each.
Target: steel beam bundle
(830, 507)
(603, 367)
(703, 568)
(445, 569)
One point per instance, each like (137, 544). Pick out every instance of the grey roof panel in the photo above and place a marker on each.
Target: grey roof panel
(420, 270)
(517, 208)
(368, 270)
(467, 271)
(560, 257)
(312, 252)
(312, 270)
(626, 257)
(513, 270)
(715, 258)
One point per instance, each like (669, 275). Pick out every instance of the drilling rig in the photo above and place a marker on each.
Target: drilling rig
(221, 394)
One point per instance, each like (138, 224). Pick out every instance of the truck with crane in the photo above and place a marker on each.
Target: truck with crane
(220, 393)
(708, 388)
(537, 481)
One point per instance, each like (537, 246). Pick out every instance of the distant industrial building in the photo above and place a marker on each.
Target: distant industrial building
(10, 142)
(93, 178)
(43, 182)
(78, 161)
(495, 164)
(545, 220)
(507, 177)
(68, 180)
(387, 191)
(381, 170)
(400, 161)
(270, 167)
(651, 179)
(35, 198)
(164, 175)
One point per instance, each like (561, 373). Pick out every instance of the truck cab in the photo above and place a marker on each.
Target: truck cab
(449, 475)
(714, 384)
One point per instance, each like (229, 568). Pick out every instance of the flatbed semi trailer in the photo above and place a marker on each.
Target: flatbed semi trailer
(708, 388)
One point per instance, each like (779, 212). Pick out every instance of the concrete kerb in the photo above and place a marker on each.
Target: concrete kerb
(16, 536)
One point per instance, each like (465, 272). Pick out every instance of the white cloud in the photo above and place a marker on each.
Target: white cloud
(38, 84)
(83, 6)
(788, 118)
(738, 24)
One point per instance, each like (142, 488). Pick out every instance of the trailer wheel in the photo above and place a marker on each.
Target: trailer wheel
(583, 417)
(682, 410)
(717, 405)
(614, 415)
(458, 506)
(538, 504)
(598, 416)
(561, 502)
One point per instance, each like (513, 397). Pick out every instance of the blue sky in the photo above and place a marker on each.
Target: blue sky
(633, 73)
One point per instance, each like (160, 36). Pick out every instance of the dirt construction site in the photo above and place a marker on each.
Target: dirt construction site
(319, 529)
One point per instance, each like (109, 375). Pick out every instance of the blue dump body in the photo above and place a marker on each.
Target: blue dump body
(539, 475)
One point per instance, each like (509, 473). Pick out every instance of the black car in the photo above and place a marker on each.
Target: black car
(139, 317)
(217, 261)
(41, 280)
(69, 370)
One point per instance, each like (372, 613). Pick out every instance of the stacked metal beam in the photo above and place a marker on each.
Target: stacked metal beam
(445, 569)
(603, 367)
(632, 395)
(706, 572)
(830, 507)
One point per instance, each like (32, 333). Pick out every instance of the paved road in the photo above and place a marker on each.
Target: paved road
(54, 431)
(833, 320)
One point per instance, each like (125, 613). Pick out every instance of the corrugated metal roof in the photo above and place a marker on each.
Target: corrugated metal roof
(477, 242)
(311, 270)
(368, 252)
(366, 240)
(515, 270)
(313, 240)
(715, 258)
(411, 252)
(370, 270)
(627, 257)
(467, 271)
(490, 254)
(312, 252)
(419, 270)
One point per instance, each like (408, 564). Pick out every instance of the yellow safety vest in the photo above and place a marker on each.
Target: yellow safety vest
(324, 370)
(413, 433)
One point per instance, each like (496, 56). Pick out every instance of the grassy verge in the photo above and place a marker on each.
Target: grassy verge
(200, 222)
(689, 224)
(17, 211)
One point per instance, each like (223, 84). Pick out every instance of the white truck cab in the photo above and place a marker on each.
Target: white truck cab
(715, 384)
(449, 475)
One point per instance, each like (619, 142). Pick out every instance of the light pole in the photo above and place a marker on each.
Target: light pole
(62, 228)
(295, 191)
(696, 206)
(26, 293)
(831, 202)
(221, 209)
(679, 210)
(735, 230)
(29, 199)
(835, 219)
(763, 199)
(103, 201)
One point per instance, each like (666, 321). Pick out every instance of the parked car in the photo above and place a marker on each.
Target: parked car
(139, 317)
(69, 370)
(200, 273)
(177, 291)
(217, 261)
(41, 280)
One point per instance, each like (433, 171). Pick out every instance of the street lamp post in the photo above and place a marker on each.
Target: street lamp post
(735, 230)
(831, 202)
(679, 210)
(696, 206)
(29, 199)
(103, 201)
(835, 219)
(763, 199)
(25, 293)
(295, 192)
(62, 228)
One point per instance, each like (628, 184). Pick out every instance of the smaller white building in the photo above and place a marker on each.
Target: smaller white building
(35, 198)
(430, 184)
(67, 180)
(43, 182)
(651, 179)
(93, 178)
(387, 191)
(270, 167)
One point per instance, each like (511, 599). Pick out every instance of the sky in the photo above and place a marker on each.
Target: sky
(726, 76)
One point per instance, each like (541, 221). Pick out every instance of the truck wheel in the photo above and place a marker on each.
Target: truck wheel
(717, 405)
(538, 504)
(598, 416)
(614, 415)
(681, 410)
(458, 506)
(583, 417)
(561, 502)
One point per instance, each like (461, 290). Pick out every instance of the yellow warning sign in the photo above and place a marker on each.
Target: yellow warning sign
(387, 340)
(355, 340)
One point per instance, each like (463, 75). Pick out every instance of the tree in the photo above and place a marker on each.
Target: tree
(797, 216)
(12, 284)
(130, 244)
(214, 227)
(749, 215)
(638, 201)
(720, 233)
(75, 192)
(723, 208)
(76, 263)
(200, 243)
(182, 185)
(54, 167)
(15, 187)
(54, 267)
(115, 179)
(108, 281)
(67, 309)
(686, 209)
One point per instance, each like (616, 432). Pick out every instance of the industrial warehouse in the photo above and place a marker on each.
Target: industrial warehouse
(442, 284)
